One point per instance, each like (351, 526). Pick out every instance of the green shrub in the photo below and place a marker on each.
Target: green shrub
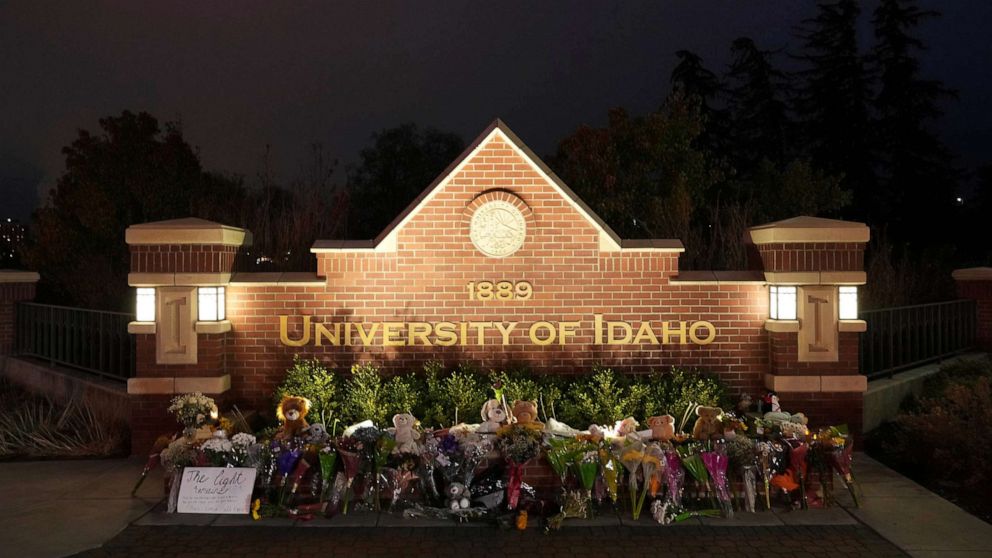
(402, 394)
(603, 398)
(431, 411)
(464, 392)
(364, 396)
(309, 378)
(674, 391)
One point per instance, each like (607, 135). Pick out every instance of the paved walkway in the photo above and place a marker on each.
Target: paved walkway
(62, 508)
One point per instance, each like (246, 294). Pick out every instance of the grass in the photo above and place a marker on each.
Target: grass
(37, 427)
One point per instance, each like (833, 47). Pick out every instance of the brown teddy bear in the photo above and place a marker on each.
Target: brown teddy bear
(707, 426)
(292, 412)
(525, 412)
(662, 427)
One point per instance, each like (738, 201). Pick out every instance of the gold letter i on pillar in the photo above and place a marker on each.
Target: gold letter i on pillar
(818, 324)
(175, 334)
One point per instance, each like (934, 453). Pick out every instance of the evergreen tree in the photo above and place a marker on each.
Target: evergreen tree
(758, 113)
(697, 84)
(915, 171)
(832, 102)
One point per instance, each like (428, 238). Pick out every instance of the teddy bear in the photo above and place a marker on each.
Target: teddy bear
(707, 426)
(525, 413)
(493, 417)
(458, 496)
(662, 427)
(292, 413)
(405, 434)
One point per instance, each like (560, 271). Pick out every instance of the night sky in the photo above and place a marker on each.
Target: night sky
(244, 75)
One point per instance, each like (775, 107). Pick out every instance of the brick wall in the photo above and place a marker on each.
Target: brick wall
(10, 295)
(182, 258)
(426, 279)
(808, 256)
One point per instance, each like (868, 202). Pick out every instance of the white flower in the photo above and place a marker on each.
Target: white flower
(243, 440)
(219, 445)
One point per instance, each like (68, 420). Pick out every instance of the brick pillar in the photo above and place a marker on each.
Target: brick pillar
(177, 352)
(15, 286)
(813, 356)
(975, 283)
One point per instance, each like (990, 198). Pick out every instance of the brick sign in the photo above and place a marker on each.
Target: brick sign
(499, 264)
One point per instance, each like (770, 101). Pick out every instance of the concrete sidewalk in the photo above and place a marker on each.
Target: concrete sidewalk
(57, 508)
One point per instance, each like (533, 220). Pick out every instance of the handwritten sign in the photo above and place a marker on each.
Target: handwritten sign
(216, 490)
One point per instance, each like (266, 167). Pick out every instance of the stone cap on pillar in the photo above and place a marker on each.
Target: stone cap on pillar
(809, 229)
(190, 230)
(18, 276)
(972, 274)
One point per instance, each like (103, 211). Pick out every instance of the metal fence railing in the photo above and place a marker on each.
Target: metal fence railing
(907, 336)
(90, 340)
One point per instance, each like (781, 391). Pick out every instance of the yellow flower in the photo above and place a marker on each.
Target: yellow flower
(254, 510)
(652, 460)
(632, 455)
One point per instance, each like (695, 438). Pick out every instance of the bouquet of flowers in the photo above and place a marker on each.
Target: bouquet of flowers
(518, 444)
(741, 452)
(327, 458)
(193, 410)
(610, 466)
(349, 451)
(179, 454)
(716, 462)
(586, 465)
(674, 478)
(797, 460)
(694, 464)
(244, 451)
(840, 460)
(218, 450)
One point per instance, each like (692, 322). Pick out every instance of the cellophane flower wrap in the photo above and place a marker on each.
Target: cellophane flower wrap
(179, 454)
(586, 466)
(429, 452)
(349, 452)
(610, 466)
(716, 463)
(674, 478)
(217, 451)
(327, 457)
(797, 461)
(560, 455)
(403, 475)
(631, 456)
(518, 444)
(840, 461)
(694, 464)
(764, 451)
(743, 459)
(651, 463)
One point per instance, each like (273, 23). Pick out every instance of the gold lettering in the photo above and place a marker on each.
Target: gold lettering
(284, 332)
(390, 330)
(445, 333)
(611, 338)
(694, 336)
(464, 333)
(542, 325)
(597, 329)
(480, 329)
(504, 329)
(320, 332)
(347, 334)
(419, 330)
(368, 337)
(645, 332)
(667, 332)
(566, 330)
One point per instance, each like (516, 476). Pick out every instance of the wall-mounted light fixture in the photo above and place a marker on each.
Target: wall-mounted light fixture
(782, 302)
(144, 307)
(848, 303)
(210, 304)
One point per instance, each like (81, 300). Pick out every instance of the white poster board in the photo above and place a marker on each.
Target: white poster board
(216, 490)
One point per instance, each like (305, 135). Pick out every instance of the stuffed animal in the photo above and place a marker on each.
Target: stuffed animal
(292, 413)
(405, 434)
(662, 427)
(316, 433)
(458, 496)
(708, 425)
(625, 427)
(744, 404)
(525, 412)
(493, 416)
